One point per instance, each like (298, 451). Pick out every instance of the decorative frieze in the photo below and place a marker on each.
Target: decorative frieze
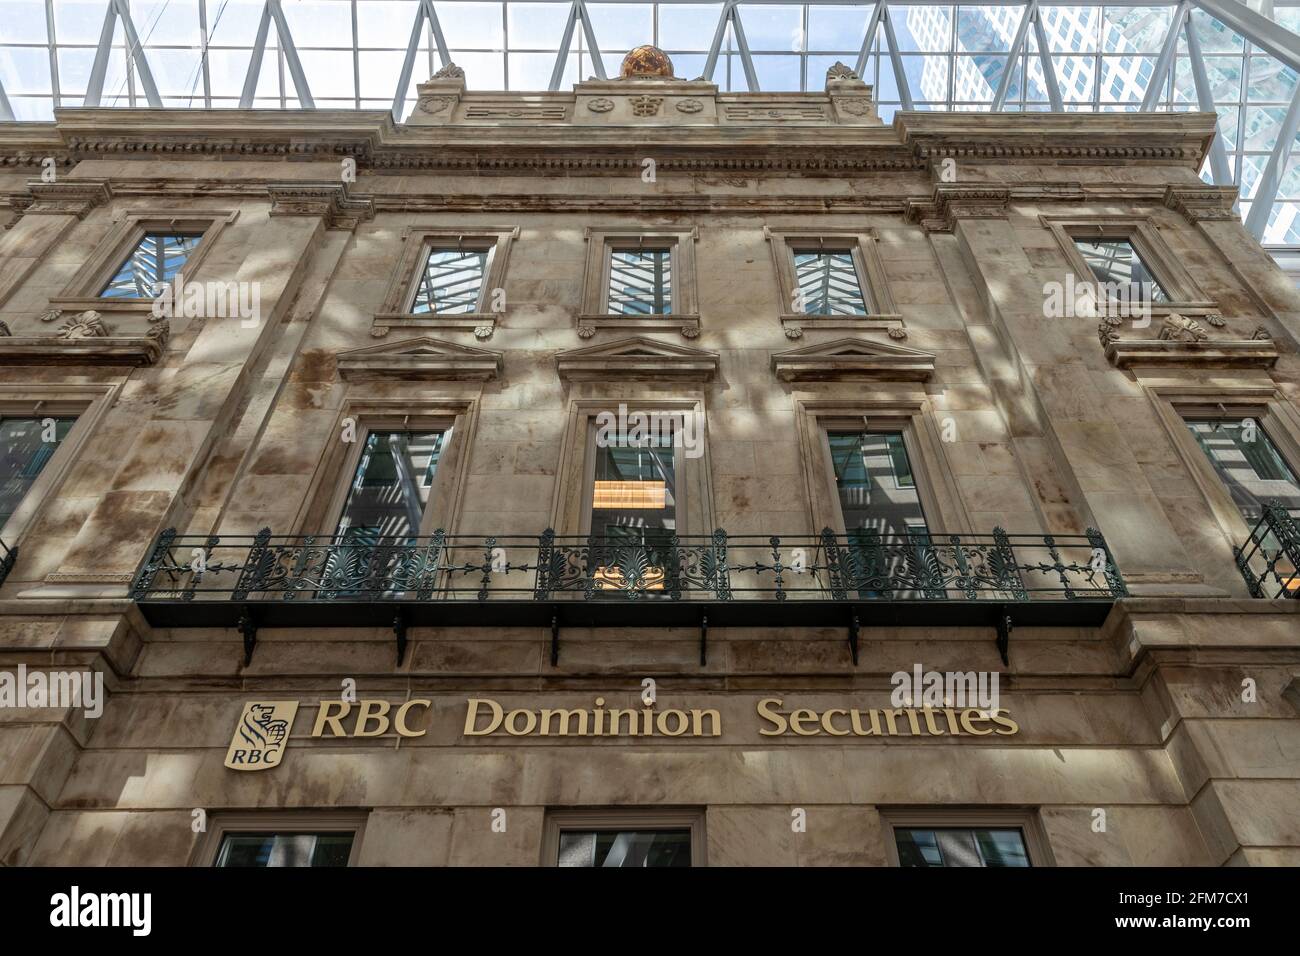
(1201, 203)
(71, 197)
(951, 202)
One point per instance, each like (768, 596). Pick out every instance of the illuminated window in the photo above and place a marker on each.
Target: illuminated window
(390, 489)
(26, 446)
(156, 260)
(634, 493)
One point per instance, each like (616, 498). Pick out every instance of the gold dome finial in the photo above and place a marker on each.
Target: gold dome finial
(646, 61)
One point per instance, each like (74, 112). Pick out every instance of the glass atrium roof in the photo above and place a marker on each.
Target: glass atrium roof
(1239, 59)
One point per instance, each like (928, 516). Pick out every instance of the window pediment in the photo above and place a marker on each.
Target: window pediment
(850, 359)
(421, 359)
(638, 358)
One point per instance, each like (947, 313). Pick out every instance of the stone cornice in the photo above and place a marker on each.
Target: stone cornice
(951, 202)
(370, 137)
(327, 200)
(1160, 138)
(1199, 202)
(70, 197)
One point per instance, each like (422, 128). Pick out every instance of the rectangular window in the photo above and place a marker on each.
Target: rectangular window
(155, 261)
(634, 494)
(961, 846)
(640, 282)
(451, 281)
(643, 848)
(1117, 261)
(26, 446)
(285, 849)
(875, 484)
(827, 283)
(1248, 463)
(389, 493)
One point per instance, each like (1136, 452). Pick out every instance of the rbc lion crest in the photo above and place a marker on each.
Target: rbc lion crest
(261, 735)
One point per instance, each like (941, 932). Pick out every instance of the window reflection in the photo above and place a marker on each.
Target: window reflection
(646, 848)
(26, 446)
(951, 846)
(390, 490)
(1117, 261)
(285, 849)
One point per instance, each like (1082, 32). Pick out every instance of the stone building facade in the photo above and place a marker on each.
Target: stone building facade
(422, 328)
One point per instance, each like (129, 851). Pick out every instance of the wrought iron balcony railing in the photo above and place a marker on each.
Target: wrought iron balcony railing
(1270, 558)
(720, 567)
(729, 580)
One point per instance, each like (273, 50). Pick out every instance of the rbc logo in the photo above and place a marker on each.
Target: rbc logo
(261, 735)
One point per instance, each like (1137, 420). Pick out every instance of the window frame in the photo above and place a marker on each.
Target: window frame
(1028, 821)
(208, 848)
(864, 244)
(881, 425)
(1175, 404)
(941, 502)
(623, 818)
(403, 283)
(83, 292)
(327, 493)
(1185, 296)
(88, 403)
(600, 247)
(571, 505)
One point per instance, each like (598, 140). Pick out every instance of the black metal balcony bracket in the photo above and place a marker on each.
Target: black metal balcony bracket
(555, 637)
(399, 631)
(1270, 559)
(1004, 635)
(719, 580)
(248, 628)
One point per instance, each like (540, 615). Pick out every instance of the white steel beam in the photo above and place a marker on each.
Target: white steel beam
(1261, 207)
(271, 11)
(1220, 170)
(119, 10)
(6, 111)
(1159, 77)
(1264, 33)
(1017, 48)
(900, 76)
(869, 39)
(746, 61)
(1049, 68)
(424, 13)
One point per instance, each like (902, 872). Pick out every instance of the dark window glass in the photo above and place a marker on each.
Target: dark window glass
(641, 282)
(155, 261)
(1248, 463)
(625, 848)
(390, 490)
(828, 283)
(285, 849)
(451, 282)
(953, 846)
(26, 446)
(1117, 261)
(876, 487)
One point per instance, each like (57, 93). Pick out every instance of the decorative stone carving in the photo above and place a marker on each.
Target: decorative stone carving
(841, 71)
(87, 325)
(483, 331)
(515, 112)
(897, 332)
(379, 331)
(1201, 202)
(853, 358)
(793, 332)
(328, 200)
(160, 331)
(1180, 328)
(774, 113)
(1260, 335)
(434, 104)
(952, 202)
(419, 359)
(637, 358)
(691, 331)
(4, 329)
(450, 72)
(1107, 334)
(646, 105)
(1215, 320)
(855, 107)
(691, 105)
(73, 197)
(49, 315)
(586, 331)
(602, 104)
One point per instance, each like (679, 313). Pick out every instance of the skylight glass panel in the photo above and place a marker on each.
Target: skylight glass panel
(828, 283)
(156, 260)
(451, 282)
(641, 282)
